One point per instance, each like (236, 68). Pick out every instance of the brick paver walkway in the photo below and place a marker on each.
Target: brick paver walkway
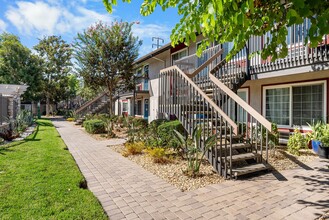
(127, 191)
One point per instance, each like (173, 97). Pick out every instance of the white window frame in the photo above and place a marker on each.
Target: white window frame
(172, 61)
(290, 85)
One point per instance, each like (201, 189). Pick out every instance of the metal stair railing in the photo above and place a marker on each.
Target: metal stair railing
(253, 126)
(90, 105)
(180, 96)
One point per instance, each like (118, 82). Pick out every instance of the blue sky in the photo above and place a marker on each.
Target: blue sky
(33, 19)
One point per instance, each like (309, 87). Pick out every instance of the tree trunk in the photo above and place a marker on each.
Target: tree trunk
(47, 105)
(110, 107)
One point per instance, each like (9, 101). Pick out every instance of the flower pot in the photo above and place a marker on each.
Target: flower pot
(323, 151)
(315, 146)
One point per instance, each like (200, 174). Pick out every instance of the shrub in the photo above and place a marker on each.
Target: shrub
(194, 152)
(94, 126)
(133, 148)
(296, 142)
(70, 119)
(157, 122)
(22, 121)
(140, 122)
(159, 155)
(166, 133)
(153, 138)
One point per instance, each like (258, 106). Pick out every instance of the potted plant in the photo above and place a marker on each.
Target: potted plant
(323, 150)
(315, 135)
(320, 139)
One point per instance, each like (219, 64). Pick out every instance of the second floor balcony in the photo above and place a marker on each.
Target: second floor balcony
(299, 54)
(142, 85)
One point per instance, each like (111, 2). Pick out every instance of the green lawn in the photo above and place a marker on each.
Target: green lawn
(40, 180)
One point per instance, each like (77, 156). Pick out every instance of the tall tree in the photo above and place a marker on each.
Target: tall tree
(236, 21)
(19, 66)
(105, 56)
(57, 55)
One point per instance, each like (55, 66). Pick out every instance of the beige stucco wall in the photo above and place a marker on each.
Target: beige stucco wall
(255, 86)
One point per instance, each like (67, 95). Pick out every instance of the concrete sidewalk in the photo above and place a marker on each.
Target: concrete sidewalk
(127, 191)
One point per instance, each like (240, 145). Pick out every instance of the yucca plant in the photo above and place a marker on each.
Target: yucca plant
(194, 152)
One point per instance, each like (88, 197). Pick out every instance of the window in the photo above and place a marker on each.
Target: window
(124, 106)
(146, 71)
(307, 104)
(178, 55)
(139, 107)
(295, 104)
(139, 72)
(146, 84)
(277, 105)
(242, 115)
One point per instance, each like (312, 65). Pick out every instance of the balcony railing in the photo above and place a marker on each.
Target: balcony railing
(299, 52)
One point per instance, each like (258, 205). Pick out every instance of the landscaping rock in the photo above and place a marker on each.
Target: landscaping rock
(173, 172)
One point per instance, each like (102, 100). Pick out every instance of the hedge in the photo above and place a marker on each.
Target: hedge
(94, 126)
(166, 132)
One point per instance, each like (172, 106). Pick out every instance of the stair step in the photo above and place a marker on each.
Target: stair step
(249, 169)
(245, 156)
(234, 146)
(240, 146)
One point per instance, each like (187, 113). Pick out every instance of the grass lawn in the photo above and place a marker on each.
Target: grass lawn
(40, 180)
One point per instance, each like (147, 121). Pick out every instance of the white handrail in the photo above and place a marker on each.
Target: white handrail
(204, 95)
(262, 120)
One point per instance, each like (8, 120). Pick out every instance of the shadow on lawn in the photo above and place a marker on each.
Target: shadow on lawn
(32, 137)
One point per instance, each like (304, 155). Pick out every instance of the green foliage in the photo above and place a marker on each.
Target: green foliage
(236, 21)
(153, 138)
(317, 129)
(105, 56)
(70, 119)
(166, 133)
(94, 126)
(40, 180)
(159, 155)
(19, 66)
(320, 132)
(133, 148)
(56, 55)
(195, 153)
(23, 120)
(325, 136)
(273, 136)
(140, 122)
(296, 142)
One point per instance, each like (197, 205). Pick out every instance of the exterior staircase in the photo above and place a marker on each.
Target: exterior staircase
(206, 96)
(96, 105)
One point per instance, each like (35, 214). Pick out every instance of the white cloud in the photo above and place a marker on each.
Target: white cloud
(3, 26)
(31, 17)
(40, 18)
(151, 30)
(146, 31)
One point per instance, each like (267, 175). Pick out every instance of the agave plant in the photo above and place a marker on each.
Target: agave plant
(194, 152)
